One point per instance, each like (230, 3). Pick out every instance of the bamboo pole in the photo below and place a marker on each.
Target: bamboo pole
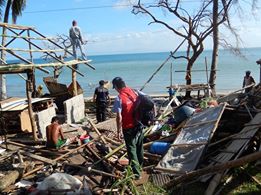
(30, 108)
(26, 37)
(33, 171)
(109, 154)
(213, 169)
(5, 45)
(31, 50)
(97, 131)
(70, 152)
(25, 60)
(15, 26)
(23, 67)
(89, 169)
(158, 69)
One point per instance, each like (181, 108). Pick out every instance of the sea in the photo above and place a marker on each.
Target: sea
(136, 69)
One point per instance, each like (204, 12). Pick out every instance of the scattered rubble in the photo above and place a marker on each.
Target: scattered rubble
(201, 148)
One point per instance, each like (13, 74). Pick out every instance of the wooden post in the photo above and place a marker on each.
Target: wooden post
(74, 82)
(3, 92)
(31, 59)
(171, 74)
(30, 108)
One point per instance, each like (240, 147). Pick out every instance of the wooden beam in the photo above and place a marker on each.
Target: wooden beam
(213, 169)
(14, 26)
(24, 67)
(30, 108)
(70, 152)
(25, 60)
(89, 169)
(37, 157)
(31, 50)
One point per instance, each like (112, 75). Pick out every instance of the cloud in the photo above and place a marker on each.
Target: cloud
(123, 4)
(132, 42)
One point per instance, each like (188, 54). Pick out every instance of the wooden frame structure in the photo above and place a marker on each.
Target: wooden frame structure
(26, 64)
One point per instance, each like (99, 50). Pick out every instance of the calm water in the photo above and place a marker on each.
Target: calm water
(136, 69)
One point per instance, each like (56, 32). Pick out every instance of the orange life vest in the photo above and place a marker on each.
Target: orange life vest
(128, 97)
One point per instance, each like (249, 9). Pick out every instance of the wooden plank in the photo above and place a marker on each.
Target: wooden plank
(37, 157)
(70, 152)
(11, 67)
(200, 123)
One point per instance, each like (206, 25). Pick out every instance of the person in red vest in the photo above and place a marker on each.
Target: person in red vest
(126, 123)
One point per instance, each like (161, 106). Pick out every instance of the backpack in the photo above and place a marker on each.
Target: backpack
(144, 109)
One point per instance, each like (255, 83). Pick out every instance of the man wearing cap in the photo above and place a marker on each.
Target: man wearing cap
(76, 39)
(102, 99)
(132, 132)
(248, 80)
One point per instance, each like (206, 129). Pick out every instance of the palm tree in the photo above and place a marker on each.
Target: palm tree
(16, 6)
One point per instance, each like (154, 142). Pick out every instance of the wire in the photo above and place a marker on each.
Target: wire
(78, 8)
(93, 7)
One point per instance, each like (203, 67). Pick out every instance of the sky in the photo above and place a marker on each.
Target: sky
(111, 28)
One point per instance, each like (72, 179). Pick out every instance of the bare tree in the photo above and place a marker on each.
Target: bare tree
(196, 25)
(63, 40)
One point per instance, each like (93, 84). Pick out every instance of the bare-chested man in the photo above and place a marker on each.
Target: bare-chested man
(55, 136)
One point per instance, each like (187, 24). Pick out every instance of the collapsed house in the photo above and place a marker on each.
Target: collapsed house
(33, 114)
(202, 147)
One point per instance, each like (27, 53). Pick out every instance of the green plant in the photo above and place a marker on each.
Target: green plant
(127, 180)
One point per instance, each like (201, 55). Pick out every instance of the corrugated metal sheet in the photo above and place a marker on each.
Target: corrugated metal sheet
(186, 150)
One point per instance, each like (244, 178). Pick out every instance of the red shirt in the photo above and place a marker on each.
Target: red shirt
(128, 97)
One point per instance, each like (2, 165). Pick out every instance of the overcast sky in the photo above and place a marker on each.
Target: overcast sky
(111, 28)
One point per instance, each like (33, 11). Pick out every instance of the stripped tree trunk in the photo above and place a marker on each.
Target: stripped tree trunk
(29, 89)
(214, 62)
(74, 83)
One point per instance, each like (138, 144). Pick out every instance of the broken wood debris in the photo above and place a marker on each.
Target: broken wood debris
(210, 133)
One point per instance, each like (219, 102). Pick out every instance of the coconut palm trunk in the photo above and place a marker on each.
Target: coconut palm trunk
(17, 7)
(3, 92)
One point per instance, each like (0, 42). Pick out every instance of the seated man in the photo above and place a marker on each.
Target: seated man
(55, 136)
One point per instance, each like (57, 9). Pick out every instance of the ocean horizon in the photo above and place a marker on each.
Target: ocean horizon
(137, 68)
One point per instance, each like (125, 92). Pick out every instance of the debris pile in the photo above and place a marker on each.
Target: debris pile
(196, 141)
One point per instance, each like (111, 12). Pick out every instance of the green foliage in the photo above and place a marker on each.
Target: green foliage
(126, 181)
(204, 102)
(150, 188)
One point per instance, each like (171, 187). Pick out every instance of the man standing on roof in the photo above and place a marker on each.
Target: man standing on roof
(102, 99)
(132, 132)
(76, 39)
(248, 80)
